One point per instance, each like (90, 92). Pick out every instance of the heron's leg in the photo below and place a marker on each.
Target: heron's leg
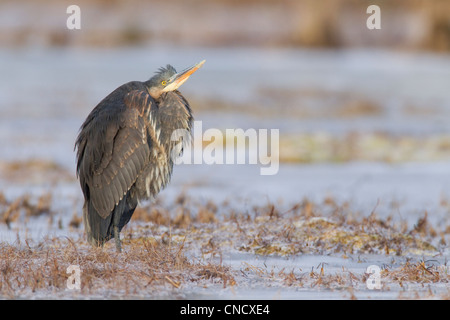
(117, 239)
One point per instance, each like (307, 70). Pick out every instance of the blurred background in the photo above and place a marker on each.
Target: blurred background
(354, 106)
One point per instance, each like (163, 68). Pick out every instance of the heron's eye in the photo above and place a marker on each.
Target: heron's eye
(164, 82)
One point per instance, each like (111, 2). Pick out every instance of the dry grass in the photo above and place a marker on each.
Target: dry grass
(332, 23)
(321, 146)
(360, 146)
(23, 207)
(409, 277)
(34, 171)
(297, 103)
(171, 247)
(142, 269)
(422, 272)
(305, 227)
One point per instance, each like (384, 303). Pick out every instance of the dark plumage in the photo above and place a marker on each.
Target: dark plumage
(124, 150)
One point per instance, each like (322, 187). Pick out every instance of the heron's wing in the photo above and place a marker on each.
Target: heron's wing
(120, 156)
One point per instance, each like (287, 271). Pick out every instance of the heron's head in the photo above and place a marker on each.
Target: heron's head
(168, 79)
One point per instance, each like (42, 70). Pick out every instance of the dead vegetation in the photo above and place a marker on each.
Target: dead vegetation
(34, 171)
(168, 247)
(421, 272)
(360, 146)
(143, 268)
(409, 277)
(307, 23)
(304, 227)
(303, 146)
(23, 208)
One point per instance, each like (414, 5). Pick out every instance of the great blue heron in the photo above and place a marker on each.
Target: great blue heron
(124, 150)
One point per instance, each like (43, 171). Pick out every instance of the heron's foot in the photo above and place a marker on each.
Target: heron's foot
(117, 239)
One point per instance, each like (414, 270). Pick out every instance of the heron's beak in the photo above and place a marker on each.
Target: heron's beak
(178, 79)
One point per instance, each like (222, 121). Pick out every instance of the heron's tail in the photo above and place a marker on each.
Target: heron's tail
(97, 229)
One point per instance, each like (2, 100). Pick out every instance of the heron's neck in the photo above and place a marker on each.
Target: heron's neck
(154, 92)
